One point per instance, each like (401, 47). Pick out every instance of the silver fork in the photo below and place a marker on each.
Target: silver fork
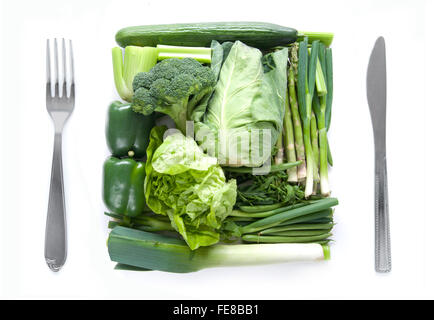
(59, 108)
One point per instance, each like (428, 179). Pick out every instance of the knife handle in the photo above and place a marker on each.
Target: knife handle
(382, 231)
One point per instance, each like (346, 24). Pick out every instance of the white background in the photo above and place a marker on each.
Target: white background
(26, 137)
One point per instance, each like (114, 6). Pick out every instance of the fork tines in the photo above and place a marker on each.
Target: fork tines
(54, 79)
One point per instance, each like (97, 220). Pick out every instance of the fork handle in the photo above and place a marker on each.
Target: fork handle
(382, 231)
(55, 232)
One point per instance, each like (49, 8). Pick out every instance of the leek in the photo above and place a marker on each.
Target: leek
(157, 252)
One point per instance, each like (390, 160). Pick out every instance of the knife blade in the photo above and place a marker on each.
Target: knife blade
(376, 87)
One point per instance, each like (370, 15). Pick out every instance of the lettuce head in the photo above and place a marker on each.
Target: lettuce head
(188, 186)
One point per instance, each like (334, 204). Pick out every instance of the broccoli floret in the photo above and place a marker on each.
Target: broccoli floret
(174, 87)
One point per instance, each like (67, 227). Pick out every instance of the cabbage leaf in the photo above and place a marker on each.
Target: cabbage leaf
(249, 98)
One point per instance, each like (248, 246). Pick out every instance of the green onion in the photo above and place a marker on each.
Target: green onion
(315, 146)
(265, 207)
(295, 233)
(323, 216)
(294, 227)
(306, 86)
(153, 251)
(263, 214)
(283, 239)
(321, 87)
(320, 108)
(329, 154)
(278, 218)
(329, 81)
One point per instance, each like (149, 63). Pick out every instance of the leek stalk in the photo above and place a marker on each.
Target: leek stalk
(157, 252)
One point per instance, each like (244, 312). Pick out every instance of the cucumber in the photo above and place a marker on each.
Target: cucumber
(257, 34)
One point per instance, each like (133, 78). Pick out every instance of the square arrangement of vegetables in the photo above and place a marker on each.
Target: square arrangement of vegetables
(239, 173)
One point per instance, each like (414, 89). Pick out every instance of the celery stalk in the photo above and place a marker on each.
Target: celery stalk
(199, 53)
(135, 60)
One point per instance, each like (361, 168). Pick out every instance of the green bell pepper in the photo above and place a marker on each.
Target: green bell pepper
(123, 186)
(127, 132)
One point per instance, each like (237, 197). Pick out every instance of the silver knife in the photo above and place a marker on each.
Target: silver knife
(377, 93)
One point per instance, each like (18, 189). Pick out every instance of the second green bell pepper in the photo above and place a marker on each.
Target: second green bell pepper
(123, 186)
(127, 132)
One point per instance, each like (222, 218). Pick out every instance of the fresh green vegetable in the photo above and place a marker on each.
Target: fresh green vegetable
(329, 154)
(295, 227)
(187, 186)
(219, 54)
(278, 158)
(156, 252)
(247, 106)
(257, 34)
(123, 191)
(265, 207)
(306, 86)
(315, 147)
(320, 109)
(127, 132)
(258, 190)
(323, 216)
(329, 67)
(298, 129)
(284, 239)
(267, 212)
(278, 218)
(325, 37)
(329, 81)
(260, 110)
(137, 59)
(173, 87)
(198, 53)
(288, 141)
(299, 233)
(141, 222)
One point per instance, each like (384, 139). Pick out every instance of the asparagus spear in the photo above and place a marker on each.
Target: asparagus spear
(288, 139)
(298, 131)
(278, 158)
